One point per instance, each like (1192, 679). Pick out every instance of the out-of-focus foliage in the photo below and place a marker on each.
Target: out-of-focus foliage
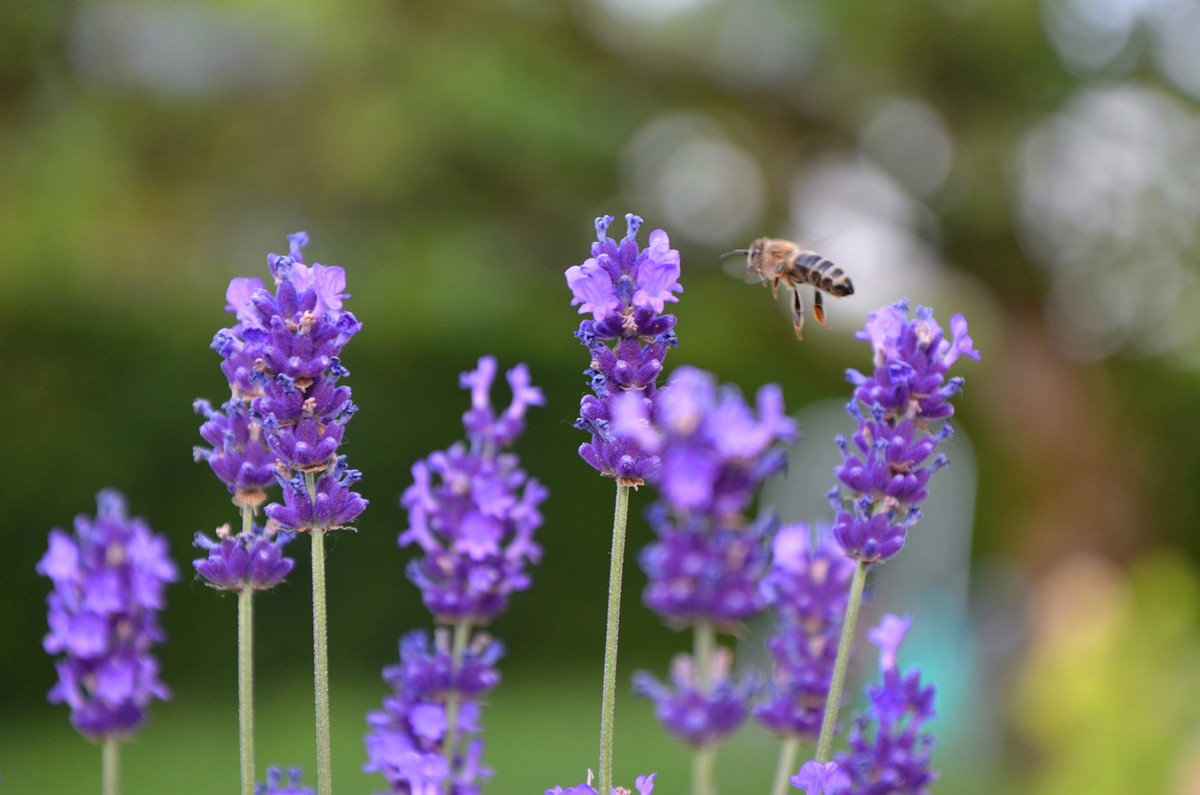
(1107, 695)
(1028, 163)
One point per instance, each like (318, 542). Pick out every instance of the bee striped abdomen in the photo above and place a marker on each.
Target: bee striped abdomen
(823, 274)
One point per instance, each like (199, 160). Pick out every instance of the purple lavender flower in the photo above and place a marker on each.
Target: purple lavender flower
(886, 469)
(239, 454)
(405, 743)
(700, 572)
(643, 784)
(912, 357)
(715, 452)
(808, 585)
(332, 505)
(473, 511)
(889, 751)
(250, 560)
(625, 288)
(707, 561)
(821, 779)
(278, 785)
(109, 580)
(284, 355)
(699, 713)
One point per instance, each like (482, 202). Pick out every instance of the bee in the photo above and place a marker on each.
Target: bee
(772, 261)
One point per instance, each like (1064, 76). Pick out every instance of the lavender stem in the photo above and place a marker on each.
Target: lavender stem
(832, 704)
(246, 672)
(321, 664)
(608, 705)
(786, 766)
(110, 759)
(462, 634)
(246, 687)
(704, 644)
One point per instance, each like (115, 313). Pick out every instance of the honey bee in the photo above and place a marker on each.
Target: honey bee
(772, 261)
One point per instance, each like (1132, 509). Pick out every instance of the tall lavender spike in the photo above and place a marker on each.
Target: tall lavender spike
(625, 288)
(707, 563)
(887, 463)
(808, 585)
(283, 356)
(109, 581)
(407, 740)
(883, 476)
(473, 512)
(890, 750)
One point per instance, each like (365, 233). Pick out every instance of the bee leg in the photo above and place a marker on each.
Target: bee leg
(774, 287)
(818, 307)
(797, 313)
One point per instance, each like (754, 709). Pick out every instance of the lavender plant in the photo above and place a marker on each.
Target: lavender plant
(883, 476)
(108, 581)
(706, 567)
(283, 357)
(473, 513)
(889, 748)
(625, 288)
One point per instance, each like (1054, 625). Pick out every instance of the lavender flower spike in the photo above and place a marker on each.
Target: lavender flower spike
(284, 355)
(714, 450)
(473, 510)
(889, 749)
(625, 288)
(808, 585)
(705, 568)
(109, 580)
(889, 460)
(406, 737)
(912, 356)
(699, 714)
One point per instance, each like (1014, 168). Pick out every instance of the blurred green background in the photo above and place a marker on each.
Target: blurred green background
(1031, 164)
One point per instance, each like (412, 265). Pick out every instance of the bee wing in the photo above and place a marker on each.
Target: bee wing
(735, 266)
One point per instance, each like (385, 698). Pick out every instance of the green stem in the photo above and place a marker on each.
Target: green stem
(321, 665)
(786, 767)
(702, 770)
(833, 703)
(246, 687)
(608, 701)
(246, 673)
(110, 759)
(462, 634)
(704, 646)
